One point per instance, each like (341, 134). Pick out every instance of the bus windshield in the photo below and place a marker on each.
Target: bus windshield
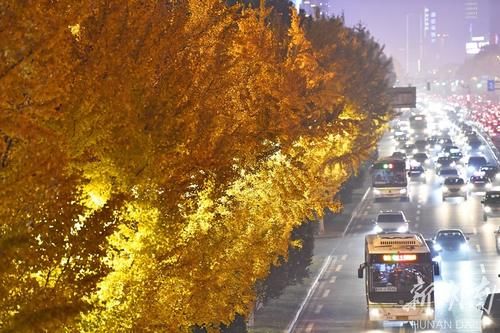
(389, 174)
(401, 282)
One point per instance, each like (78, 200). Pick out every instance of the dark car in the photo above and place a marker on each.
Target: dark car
(444, 162)
(432, 140)
(410, 149)
(436, 259)
(452, 242)
(417, 173)
(421, 144)
(475, 163)
(445, 173)
(399, 154)
(491, 205)
(479, 184)
(474, 143)
(421, 158)
(456, 156)
(490, 316)
(490, 171)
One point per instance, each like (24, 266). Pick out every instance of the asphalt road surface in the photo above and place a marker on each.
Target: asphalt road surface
(338, 304)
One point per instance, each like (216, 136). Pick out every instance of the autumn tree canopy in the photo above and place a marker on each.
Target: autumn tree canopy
(156, 155)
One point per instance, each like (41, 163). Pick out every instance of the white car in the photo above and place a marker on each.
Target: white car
(391, 221)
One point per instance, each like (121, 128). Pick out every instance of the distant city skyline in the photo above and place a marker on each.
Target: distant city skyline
(404, 27)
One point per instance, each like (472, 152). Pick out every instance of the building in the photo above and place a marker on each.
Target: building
(321, 7)
(494, 11)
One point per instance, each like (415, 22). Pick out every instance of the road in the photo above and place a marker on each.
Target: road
(338, 303)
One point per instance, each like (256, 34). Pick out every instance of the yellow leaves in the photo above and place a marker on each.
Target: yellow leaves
(75, 31)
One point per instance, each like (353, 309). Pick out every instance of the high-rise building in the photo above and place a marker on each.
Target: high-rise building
(494, 11)
(314, 7)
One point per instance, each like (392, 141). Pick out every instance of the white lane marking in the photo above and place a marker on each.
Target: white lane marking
(483, 270)
(326, 293)
(369, 207)
(339, 267)
(326, 263)
(333, 279)
(318, 309)
(418, 211)
(419, 206)
(353, 216)
(416, 225)
(474, 231)
(344, 257)
(417, 218)
(309, 327)
(478, 247)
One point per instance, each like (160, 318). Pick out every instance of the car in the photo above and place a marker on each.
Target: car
(445, 173)
(454, 187)
(447, 150)
(456, 156)
(452, 242)
(474, 143)
(399, 154)
(479, 184)
(421, 144)
(490, 171)
(491, 205)
(436, 258)
(474, 163)
(417, 173)
(410, 149)
(444, 161)
(421, 158)
(391, 221)
(490, 313)
(433, 140)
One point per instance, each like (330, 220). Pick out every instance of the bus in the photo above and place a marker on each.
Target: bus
(399, 277)
(418, 122)
(389, 178)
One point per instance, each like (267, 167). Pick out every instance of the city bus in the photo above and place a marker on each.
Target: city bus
(389, 178)
(399, 277)
(418, 122)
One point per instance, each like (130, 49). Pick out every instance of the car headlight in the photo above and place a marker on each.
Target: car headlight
(438, 165)
(415, 151)
(452, 164)
(403, 228)
(377, 229)
(471, 168)
(375, 191)
(375, 313)
(438, 247)
(422, 175)
(486, 321)
(481, 147)
(464, 247)
(438, 147)
(487, 209)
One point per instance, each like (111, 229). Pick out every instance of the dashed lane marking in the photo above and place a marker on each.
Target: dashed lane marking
(326, 293)
(416, 225)
(417, 218)
(369, 207)
(478, 248)
(419, 206)
(339, 267)
(344, 257)
(333, 279)
(318, 309)
(309, 327)
(483, 270)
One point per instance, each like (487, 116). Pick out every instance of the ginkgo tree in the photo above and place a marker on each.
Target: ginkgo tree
(157, 155)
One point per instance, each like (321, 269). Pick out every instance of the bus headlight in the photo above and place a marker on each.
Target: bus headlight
(437, 247)
(376, 192)
(403, 228)
(487, 209)
(375, 313)
(402, 191)
(486, 321)
(429, 312)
